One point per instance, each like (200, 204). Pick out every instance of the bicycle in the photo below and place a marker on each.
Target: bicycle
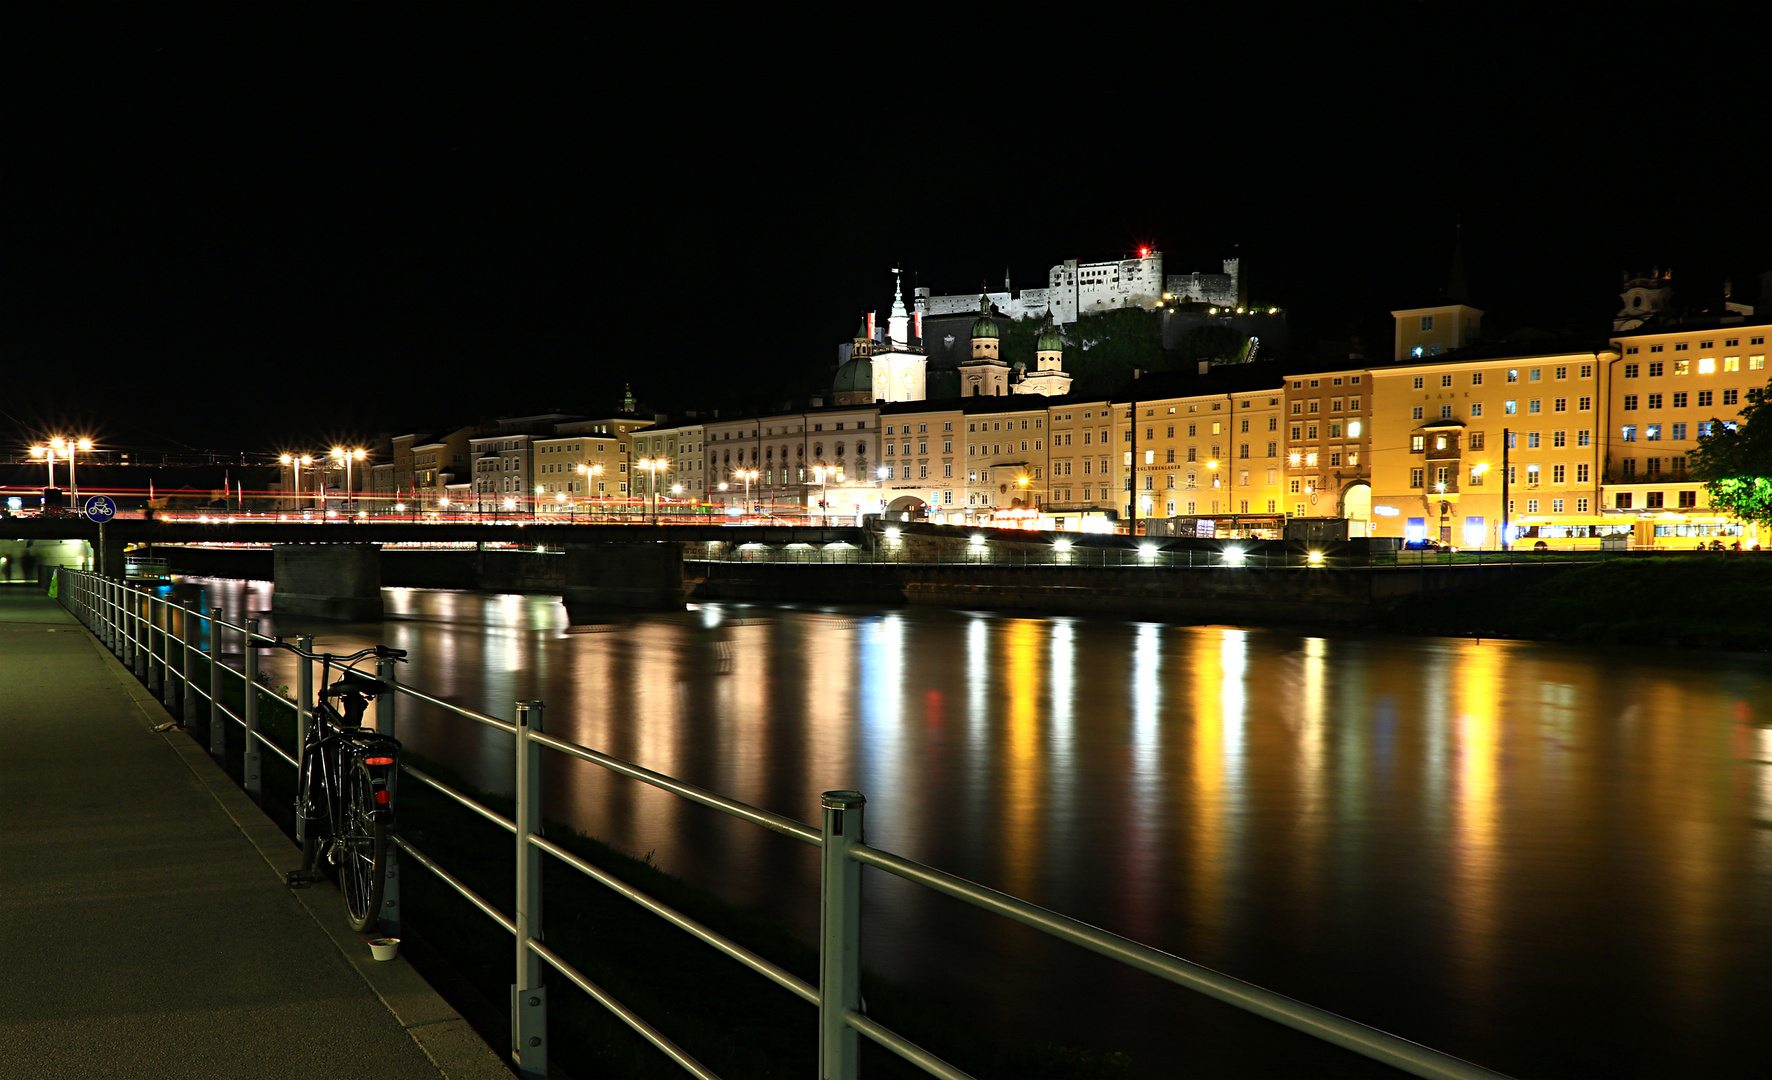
(345, 791)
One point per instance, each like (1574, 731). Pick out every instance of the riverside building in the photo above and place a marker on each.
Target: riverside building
(1450, 436)
(1669, 387)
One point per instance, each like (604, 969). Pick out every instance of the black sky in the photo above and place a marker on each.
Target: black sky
(265, 226)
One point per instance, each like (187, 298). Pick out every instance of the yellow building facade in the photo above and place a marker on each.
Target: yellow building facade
(1327, 424)
(585, 465)
(1445, 436)
(1668, 389)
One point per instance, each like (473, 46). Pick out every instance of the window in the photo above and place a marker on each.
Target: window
(1688, 499)
(1630, 402)
(1622, 500)
(1655, 401)
(1655, 369)
(1295, 433)
(1353, 403)
(1704, 399)
(1630, 371)
(1510, 407)
(1427, 323)
(1755, 363)
(1532, 376)
(1630, 468)
(1273, 423)
(1532, 440)
(1708, 365)
(1704, 428)
(1476, 409)
(1445, 380)
(1628, 433)
(1476, 479)
(1417, 382)
(1417, 443)
(1415, 476)
(1297, 407)
(1557, 474)
(1560, 405)
(1731, 397)
(1655, 348)
(1581, 473)
(1445, 412)
(1558, 438)
(1556, 506)
(1562, 373)
(1476, 378)
(1585, 404)
(1532, 506)
(1476, 440)
(1415, 414)
(1532, 406)
(1314, 404)
(1652, 500)
(1245, 427)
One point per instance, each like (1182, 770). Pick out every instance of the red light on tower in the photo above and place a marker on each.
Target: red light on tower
(1144, 252)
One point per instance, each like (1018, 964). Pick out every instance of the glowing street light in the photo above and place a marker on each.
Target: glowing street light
(296, 462)
(747, 475)
(652, 467)
(339, 453)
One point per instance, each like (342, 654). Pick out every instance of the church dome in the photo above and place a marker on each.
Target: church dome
(985, 326)
(1049, 341)
(855, 376)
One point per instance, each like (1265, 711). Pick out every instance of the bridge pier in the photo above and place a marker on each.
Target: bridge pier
(645, 576)
(331, 581)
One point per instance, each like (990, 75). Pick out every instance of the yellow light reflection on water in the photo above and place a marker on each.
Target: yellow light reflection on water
(1024, 763)
(1475, 673)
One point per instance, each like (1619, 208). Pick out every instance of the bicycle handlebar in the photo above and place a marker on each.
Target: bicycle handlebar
(380, 652)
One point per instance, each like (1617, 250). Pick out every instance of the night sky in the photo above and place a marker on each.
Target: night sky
(256, 227)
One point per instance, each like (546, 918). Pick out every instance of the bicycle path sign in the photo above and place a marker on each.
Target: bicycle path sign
(100, 508)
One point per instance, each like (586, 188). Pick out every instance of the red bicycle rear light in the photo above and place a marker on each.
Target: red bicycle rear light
(381, 796)
(378, 761)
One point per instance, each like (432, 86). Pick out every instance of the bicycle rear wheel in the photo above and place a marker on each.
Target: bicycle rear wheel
(363, 851)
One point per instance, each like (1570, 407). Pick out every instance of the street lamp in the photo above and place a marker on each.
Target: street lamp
(47, 452)
(339, 453)
(747, 475)
(296, 462)
(652, 466)
(819, 472)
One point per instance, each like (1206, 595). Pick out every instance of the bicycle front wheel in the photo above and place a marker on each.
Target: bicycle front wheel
(363, 851)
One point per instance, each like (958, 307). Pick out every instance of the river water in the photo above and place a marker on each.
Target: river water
(1552, 860)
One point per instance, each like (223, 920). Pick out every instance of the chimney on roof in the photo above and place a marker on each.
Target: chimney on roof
(1205, 366)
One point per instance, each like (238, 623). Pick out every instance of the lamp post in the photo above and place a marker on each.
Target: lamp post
(49, 453)
(296, 462)
(589, 472)
(339, 453)
(747, 475)
(70, 446)
(1507, 439)
(652, 466)
(818, 473)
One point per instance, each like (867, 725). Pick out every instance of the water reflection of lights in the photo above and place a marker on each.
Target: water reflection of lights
(1024, 765)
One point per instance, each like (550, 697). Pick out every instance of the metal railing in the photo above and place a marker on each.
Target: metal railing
(138, 626)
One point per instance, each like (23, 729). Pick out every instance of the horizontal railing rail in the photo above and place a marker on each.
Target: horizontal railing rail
(140, 628)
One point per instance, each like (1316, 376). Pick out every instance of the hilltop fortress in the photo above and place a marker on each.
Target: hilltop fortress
(1078, 289)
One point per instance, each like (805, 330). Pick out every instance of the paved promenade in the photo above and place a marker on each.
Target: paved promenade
(145, 930)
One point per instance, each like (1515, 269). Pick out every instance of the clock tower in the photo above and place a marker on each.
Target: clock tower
(898, 363)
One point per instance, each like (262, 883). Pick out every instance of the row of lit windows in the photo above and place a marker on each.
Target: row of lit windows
(1707, 365)
(1534, 406)
(1730, 397)
(1675, 432)
(1353, 403)
(1513, 375)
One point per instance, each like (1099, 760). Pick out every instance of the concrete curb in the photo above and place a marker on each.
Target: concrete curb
(446, 1039)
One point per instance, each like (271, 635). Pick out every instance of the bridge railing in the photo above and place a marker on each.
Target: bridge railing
(142, 627)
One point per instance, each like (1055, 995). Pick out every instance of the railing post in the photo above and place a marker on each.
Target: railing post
(218, 746)
(385, 705)
(188, 709)
(304, 719)
(138, 639)
(156, 665)
(168, 673)
(529, 998)
(250, 750)
(839, 936)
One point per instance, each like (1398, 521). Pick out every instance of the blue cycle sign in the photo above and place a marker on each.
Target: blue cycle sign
(101, 509)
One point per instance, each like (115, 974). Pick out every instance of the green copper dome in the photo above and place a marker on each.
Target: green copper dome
(985, 327)
(1049, 341)
(856, 375)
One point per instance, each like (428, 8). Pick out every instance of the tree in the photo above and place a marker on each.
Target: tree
(1735, 461)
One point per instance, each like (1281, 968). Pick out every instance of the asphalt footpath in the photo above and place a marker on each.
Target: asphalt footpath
(145, 930)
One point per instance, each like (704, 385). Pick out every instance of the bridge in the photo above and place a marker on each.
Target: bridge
(333, 570)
